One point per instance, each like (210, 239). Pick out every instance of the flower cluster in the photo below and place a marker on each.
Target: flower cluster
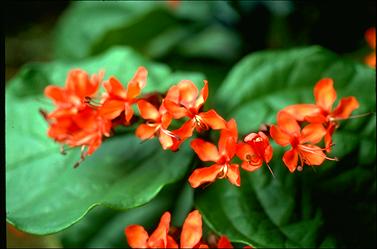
(82, 119)
(323, 121)
(165, 237)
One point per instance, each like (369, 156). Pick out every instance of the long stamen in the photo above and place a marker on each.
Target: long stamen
(170, 134)
(270, 169)
(223, 172)
(82, 157)
(313, 151)
(352, 117)
(91, 102)
(200, 122)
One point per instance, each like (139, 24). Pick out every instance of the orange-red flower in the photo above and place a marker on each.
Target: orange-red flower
(322, 111)
(157, 122)
(117, 99)
(370, 37)
(184, 100)
(288, 132)
(191, 234)
(74, 122)
(73, 97)
(255, 150)
(222, 156)
(85, 129)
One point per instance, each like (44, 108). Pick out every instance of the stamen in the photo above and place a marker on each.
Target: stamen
(222, 174)
(44, 114)
(200, 122)
(91, 102)
(313, 151)
(272, 173)
(170, 134)
(82, 157)
(352, 117)
(62, 150)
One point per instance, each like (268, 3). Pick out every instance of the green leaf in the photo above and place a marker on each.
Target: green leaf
(103, 24)
(327, 206)
(44, 193)
(104, 227)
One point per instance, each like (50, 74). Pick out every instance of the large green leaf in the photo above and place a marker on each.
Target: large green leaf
(104, 227)
(103, 24)
(44, 193)
(327, 206)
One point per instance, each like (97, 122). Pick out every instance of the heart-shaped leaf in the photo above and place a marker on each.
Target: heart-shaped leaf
(44, 193)
(326, 206)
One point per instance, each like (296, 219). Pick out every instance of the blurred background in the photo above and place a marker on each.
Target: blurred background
(209, 37)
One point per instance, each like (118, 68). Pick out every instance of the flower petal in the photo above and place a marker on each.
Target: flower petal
(182, 133)
(214, 120)
(370, 37)
(328, 137)
(171, 243)
(290, 159)
(233, 174)
(115, 88)
(287, 123)
(371, 60)
(147, 110)
(173, 94)
(56, 93)
(249, 167)
(158, 238)
(301, 111)
(144, 131)
(79, 83)
(312, 154)
(228, 139)
(111, 109)
(166, 141)
(136, 236)
(176, 110)
(137, 83)
(191, 230)
(345, 107)
(188, 92)
(205, 150)
(128, 112)
(204, 175)
(312, 133)
(325, 94)
(280, 137)
(203, 96)
(224, 242)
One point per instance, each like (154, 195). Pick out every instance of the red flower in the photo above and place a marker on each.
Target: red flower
(222, 157)
(302, 141)
(322, 111)
(85, 129)
(73, 97)
(182, 100)
(370, 37)
(74, 122)
(157, 123)
(118, 99)
(254, 151)
(191, 234)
